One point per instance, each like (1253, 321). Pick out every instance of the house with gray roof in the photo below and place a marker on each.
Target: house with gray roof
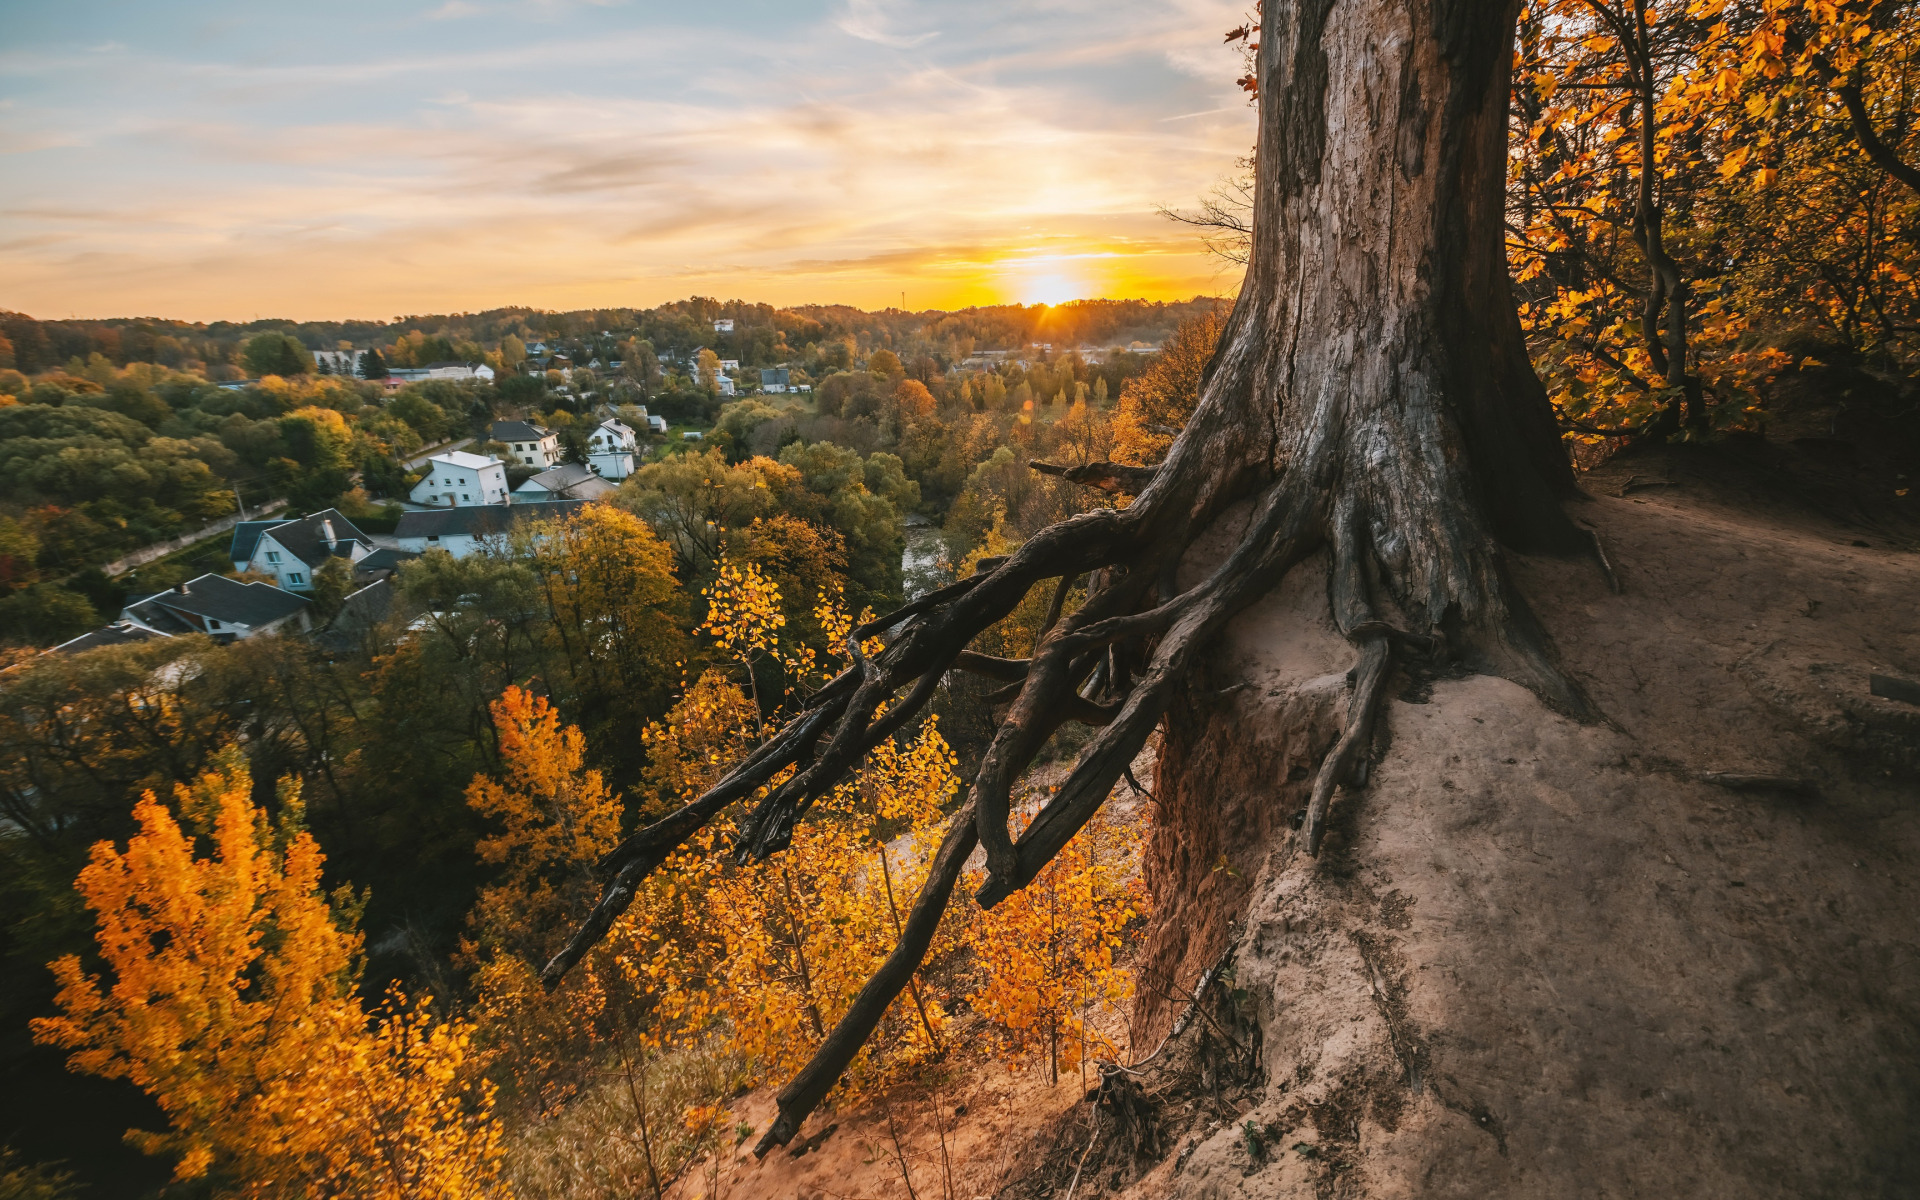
(118, 633)
(568, 481)
(464, 531)
(293, 552)
(534, 445)
(224, 609)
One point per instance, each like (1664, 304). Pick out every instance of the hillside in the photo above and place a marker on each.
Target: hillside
(1665, 952)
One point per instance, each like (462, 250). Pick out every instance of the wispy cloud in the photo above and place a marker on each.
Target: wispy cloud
(605, 156)
(872, 21)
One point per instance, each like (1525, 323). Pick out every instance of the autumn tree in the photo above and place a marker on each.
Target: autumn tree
(1155, 404)
(554, 817)
(1044, 957)
(231, 1000)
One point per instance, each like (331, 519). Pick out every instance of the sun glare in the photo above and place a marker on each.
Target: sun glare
(1054, 288)
(1047, 279)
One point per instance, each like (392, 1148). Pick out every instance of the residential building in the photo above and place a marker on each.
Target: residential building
(117, 633)
(458, 371)
(775, 379)
(729, 364)
(464, 531)
(568, 481)
(657, 424)
(693, 435)
(723, 325)
(224, 609)
(293, 552)
(533, 445)
(611, 448)
(457, 479)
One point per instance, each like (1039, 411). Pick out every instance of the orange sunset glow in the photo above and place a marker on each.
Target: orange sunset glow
(240, 162)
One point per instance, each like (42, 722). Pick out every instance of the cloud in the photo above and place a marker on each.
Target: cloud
(604, 157)
(868, 20)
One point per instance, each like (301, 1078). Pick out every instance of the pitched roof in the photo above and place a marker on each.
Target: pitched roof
(246, 536)
(221, 599)
(480, 520)
(119, 633)
(386, 558)
(306, 538)
(465, 461)
(572, 480)
(516, 431)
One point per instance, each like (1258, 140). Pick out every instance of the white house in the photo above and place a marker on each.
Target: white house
(293, 552)
(568, 481)
(657, 424)
(611, 447)
(533, 445)
(464, 531)
(457, 479)
(459, 371)
(775, 379)
(224, 609)
(723, 325)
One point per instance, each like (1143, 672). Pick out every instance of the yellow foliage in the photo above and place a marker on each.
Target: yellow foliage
(232, 1003)
(559, 819)
(1044, 955)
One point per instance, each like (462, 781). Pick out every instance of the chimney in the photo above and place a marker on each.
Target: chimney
(326, 531)
(181, 587)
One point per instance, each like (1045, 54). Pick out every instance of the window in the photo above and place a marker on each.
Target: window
(433, 537)
(295, 577)
(273, 556)
(464, 496)
(212, 624)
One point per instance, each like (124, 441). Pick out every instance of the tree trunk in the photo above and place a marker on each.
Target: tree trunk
(1370, 401)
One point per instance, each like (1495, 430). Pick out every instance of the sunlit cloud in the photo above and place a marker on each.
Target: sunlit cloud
(622, 156)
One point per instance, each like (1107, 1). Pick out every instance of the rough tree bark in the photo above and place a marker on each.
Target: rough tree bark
(1371, 397)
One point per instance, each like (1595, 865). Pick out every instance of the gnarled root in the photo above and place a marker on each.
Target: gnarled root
(1117, 662)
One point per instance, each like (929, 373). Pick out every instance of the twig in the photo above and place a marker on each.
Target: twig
(1091, 1142)
(1741, 781)
(893, 1131)
(1606, 565)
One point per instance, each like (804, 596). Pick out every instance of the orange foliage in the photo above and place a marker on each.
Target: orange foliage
(1044, 955)
(559, 819)
(232, 1002)
(1162, 397)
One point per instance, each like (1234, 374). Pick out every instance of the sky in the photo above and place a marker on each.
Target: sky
(331, 159)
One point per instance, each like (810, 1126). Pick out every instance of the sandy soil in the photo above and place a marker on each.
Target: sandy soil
(1542, 958)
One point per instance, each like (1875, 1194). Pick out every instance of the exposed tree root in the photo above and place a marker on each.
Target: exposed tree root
(1117, 662)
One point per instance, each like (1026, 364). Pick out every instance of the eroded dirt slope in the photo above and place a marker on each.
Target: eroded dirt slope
(1546, 958)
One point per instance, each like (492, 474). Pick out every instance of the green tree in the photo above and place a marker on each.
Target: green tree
(372, 366)
(276, 354)
(332, 584)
